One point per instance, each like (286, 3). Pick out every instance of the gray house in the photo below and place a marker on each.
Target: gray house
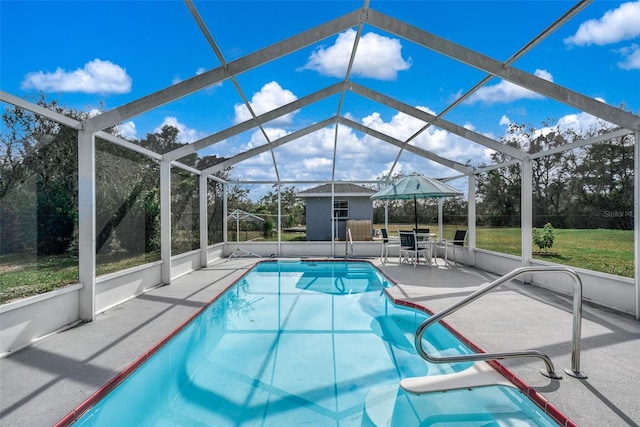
(352, 206)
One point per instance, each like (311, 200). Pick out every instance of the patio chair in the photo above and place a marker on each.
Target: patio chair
(386, 245)
(410, 249)
(425, 238)
(457, 244)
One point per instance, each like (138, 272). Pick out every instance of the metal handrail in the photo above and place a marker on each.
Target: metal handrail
(348, 242)
(550, 371)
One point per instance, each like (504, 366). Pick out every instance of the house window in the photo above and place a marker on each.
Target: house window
(341, 209)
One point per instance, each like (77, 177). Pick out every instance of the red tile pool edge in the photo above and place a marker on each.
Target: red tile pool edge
(536, 397)
(77, 412)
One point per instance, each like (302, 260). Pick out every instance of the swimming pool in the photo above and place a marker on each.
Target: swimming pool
(304, 343)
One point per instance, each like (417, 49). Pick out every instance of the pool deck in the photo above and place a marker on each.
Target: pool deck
(41, 384)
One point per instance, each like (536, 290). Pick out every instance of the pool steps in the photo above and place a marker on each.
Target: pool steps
(480, 374)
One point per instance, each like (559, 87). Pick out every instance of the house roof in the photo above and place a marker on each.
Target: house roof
(339, 189)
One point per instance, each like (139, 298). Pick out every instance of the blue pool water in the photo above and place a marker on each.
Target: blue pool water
(313, 344)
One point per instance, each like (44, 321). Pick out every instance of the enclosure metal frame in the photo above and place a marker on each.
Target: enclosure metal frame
(94, 127)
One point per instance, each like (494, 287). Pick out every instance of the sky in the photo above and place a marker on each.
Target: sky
(98, 55)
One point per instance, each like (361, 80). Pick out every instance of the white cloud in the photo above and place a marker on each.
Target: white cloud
(128, 130)
(402, 126)
(271, 96)
(504, 121)
(359, 156)
(581, 122)
(631, 57)
(506, 91)
(377, 57)
(186, 134)
(618, 24)
(257, 138)
(97, 76)
(439, 141)
(257, 168)
(578, 124)
(315, 163)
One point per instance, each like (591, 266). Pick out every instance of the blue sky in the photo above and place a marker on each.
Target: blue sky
(93, 55)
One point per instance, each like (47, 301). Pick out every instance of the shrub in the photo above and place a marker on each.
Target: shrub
(544, 239)
(268, 227)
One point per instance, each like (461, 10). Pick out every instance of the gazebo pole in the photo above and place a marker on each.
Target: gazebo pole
(386, 215)
(440, 203)
(237, 227)
(415, 211)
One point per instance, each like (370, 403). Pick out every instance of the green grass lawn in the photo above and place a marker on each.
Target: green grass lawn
(20, 277)
(607, 251)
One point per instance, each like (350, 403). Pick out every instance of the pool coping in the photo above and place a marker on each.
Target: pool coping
(103, 391)
(74, 415)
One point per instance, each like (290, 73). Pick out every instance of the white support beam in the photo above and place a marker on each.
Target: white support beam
(216, 179)
(279, 219)
(618, 133)
(334, 232)
(186, 168)
(303, 182)
(165, 221)
(252, 123)
(211, 77)
(439, 122)
(128, 144)
(636, 220)
(37, 109)
(225, 193)
(75, 124)
(471, 213)
(530, 45)
(87, 224)
(484, 169)
(508, 73)
(204, 223)
(526, 212)
(411, 148)
(266, 147)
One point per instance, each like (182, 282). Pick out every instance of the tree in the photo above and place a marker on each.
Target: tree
(291, 208)
(603, 185)
(498, 190)
(127, 200)
(551, 173)
(499, 194)
(40, 155)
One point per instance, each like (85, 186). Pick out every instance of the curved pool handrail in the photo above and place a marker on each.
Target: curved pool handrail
(550, 371)
(348, 244)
